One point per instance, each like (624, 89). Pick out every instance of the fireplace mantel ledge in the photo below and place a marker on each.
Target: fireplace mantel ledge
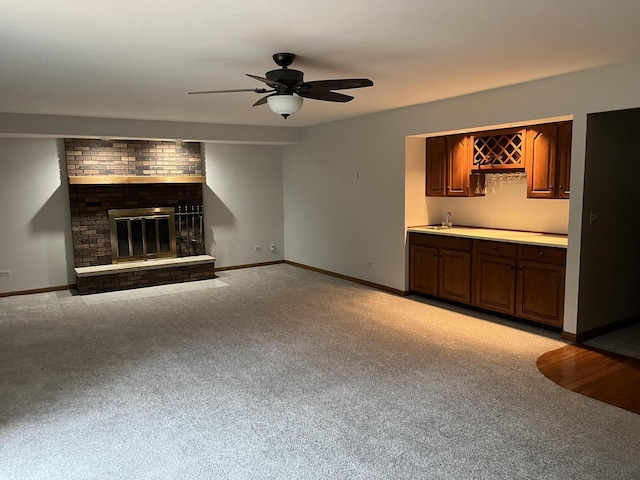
(133, 179)
(143, 265)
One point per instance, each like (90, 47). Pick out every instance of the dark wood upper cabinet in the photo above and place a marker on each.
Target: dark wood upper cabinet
(565, 134)
(548, 160)
(456, 164)
(436, 166)
(459, 162)
(448, 167)
(540, 151)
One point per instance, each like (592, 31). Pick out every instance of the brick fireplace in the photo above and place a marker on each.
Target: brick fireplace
(114, 175)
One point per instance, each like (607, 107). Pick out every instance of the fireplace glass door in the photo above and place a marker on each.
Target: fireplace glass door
(138, 234)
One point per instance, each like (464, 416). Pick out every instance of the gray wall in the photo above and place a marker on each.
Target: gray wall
(35, 243)
(243, 203)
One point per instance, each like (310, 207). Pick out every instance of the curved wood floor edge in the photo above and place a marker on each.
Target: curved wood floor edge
(606, 376)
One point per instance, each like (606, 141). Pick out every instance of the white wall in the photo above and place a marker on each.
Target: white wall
(344, 201)
(336, 221)
(35, 243)
(507, 208)
(243, 203)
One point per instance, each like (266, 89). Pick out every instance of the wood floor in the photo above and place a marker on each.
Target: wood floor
(606, 376)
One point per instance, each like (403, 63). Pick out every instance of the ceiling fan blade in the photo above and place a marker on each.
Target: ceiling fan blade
(257, 90)
(271, 83)
(341, 84)
(263, 100)
(326, 95)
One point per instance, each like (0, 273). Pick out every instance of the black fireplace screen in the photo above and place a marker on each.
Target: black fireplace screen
(142, 233)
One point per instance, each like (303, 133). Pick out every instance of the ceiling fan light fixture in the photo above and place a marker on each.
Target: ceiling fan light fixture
(284, 104)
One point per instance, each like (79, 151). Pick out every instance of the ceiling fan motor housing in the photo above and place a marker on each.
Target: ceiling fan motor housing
(288, 77)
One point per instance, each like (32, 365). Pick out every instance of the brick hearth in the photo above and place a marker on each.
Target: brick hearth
(128, 275)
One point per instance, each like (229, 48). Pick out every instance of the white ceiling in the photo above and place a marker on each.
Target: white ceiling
(139, 58)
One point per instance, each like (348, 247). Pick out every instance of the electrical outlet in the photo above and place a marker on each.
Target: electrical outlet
(5, 273)
(257, 248)
(272, 247)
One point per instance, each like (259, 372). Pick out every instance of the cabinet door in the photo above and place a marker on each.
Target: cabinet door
(436, 166)
(495, 283)
(564, 159)
(454, 279)
(540, 152)
(540, 292)
(423, 269)
(458, 166)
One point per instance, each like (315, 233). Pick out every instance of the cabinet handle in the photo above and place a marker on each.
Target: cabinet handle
(435, 255)
(560, 187)
(550, 187)
(494, 248)
(541, 254)
(513, 268)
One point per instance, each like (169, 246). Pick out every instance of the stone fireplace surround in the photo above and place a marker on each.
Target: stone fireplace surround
(105, 175)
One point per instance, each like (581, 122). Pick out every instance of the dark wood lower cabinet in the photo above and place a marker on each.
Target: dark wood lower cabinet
(423, 274)
(522, 280)
(495, 283)
(454, 275)
(541, 292)
(440, 266)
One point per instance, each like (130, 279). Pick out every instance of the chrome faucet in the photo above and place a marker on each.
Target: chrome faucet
(447, 222)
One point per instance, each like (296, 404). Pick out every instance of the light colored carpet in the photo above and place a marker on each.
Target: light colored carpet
(278, 372)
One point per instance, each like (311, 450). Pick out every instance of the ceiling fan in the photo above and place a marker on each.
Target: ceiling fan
(288, 89)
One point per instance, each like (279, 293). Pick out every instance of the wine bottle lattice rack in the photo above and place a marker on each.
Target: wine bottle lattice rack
(499, 151)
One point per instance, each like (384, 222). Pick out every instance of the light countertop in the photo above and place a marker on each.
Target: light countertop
(509, 236)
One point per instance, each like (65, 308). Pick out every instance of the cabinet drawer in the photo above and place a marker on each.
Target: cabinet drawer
(455, 243)
(542, 254)
(422, 239)
(496, 248)
(440, 241)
